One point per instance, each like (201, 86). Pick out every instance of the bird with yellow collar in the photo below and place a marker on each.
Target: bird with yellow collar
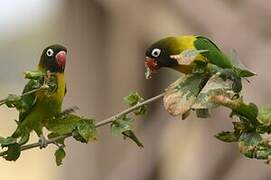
(170, 52)
(39, 107)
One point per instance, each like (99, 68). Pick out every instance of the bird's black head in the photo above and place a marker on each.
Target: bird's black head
(158, 54)
(53, 58)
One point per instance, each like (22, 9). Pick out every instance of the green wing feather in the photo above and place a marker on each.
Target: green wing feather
(217, 57)
(214, 54)
(28, 100)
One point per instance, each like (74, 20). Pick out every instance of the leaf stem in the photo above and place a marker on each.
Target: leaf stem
(98, 124)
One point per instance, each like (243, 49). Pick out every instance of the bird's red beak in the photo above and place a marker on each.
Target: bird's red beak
(151, 63)
(61, 58)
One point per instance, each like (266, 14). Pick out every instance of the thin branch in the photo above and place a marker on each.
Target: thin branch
(3, 101)
(99, 124)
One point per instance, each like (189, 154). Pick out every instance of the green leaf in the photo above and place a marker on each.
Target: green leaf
(7, 141)
(215, 86)
(133, 99)
(121, 125)
(14, 101)
(54, 135)
(130, 134)
(182, 94)
(13, 152)
(34, 74)
(85, 130)
(245, 111)
(226, 136)
(264, 116)
(239, 67)
(202, 113)
(59, 156)
(142, 110)
(230, 74)
(250, 139)
(63, 125)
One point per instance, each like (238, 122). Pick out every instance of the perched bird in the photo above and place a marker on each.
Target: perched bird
(38, 106)
(182, 52)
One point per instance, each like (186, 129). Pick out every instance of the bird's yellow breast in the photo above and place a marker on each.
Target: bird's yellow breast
(52, 103)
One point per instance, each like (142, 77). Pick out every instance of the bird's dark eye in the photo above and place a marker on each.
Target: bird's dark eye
(49, 52)
(156, 52)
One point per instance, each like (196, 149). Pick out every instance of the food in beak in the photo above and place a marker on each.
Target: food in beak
(151, 66)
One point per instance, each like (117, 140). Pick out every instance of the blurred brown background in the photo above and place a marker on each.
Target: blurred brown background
(106, 40)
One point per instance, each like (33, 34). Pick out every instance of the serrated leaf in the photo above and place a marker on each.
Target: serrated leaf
(247, 111)
(121, 125)
(14, 101)
(133, 99)
(239, 67)
(215, 86)
(34, 74)
(7, 141)
(227, 136)
(141, 110)
(85, 130)
(63, 125)
(130, 134)
(13, 152)
(59, 156)
(181, 95)
(264, 116)
(250, 139)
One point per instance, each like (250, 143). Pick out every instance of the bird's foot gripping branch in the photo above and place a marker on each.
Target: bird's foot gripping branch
(63, 125)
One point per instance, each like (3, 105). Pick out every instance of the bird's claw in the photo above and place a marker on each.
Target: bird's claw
(43, 142)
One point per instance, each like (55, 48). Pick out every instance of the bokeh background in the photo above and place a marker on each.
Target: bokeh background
(106, 40)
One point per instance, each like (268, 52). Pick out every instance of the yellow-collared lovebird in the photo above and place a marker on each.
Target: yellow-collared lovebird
(170, 52)
(39, 107)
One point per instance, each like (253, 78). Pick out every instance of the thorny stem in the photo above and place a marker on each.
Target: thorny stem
(99, 124)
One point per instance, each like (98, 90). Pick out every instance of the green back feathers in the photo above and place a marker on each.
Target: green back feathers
(214, 54)
(217, 57)
(28, 100)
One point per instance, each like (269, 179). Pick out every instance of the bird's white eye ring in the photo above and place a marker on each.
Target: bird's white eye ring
(49, 52)
(156, 52)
